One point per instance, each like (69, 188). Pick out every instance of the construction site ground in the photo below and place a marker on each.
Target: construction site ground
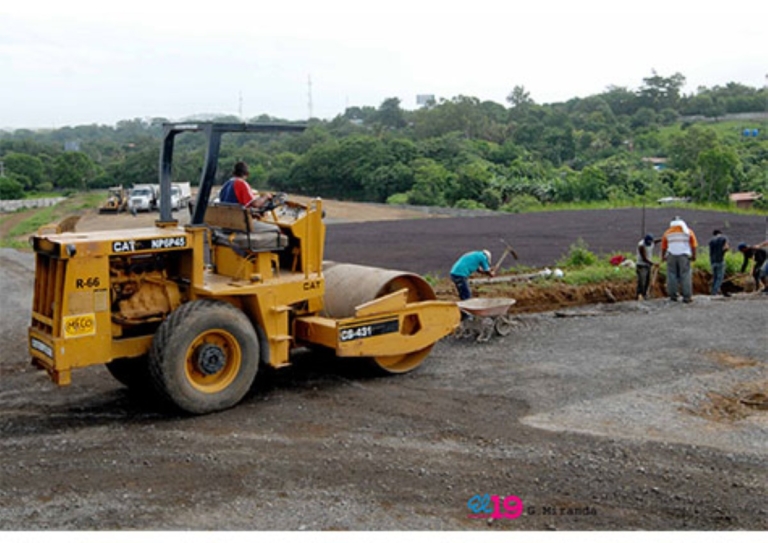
(598, 416)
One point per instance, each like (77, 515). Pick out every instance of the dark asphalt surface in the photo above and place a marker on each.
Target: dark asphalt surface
(430, 246)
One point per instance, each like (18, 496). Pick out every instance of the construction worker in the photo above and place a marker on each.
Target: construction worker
(760, 267)
(237, 190)
(644, 265)
(678, 248)
(718, 246)
(466, 265)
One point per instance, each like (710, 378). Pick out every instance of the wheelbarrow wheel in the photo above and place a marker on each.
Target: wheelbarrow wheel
(503, 325)
(486, 330)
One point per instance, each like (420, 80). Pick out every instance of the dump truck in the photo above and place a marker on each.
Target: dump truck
(181, 194)
(192, 313)
(116, 202)
(144, 197)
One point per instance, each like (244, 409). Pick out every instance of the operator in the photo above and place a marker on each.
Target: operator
(237, 190)
(475, 261)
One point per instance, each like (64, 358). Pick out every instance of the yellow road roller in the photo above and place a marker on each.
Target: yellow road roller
(191, 313)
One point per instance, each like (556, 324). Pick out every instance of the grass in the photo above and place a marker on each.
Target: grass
(31, 224)
(600, 272)
(639, 203)
(733, 262)
(47, 215)
(729, 131)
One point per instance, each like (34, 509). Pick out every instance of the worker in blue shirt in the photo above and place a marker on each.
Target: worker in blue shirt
(469, 263)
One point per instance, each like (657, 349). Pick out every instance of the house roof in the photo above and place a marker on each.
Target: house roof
(745, 196)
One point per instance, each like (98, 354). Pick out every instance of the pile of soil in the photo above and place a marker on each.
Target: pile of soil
(538, 296)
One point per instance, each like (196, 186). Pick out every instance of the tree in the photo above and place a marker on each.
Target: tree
(29, 167)
(10, 189)
(591, 185)
(431, 182)
(390, 114)
(717, 170)
(139, 166)
(519, 97)
(660, 92)
(472, 180)
(621, 100)
(73, 170)
(385, 181)
(462, 114)
(684, 149)
(643, 118)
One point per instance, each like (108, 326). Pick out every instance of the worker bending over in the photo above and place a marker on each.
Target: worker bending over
(469, 263)
(678, 248)
(760, 268)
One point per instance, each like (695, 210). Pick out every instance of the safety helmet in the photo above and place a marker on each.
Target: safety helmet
(487, 254)
(742, 246)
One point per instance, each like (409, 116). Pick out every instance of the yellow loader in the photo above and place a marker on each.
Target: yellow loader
(191, 313)
(116, 202)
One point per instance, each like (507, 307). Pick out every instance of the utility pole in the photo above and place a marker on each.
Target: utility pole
(2, 168)
(240, 106)
(309, 93)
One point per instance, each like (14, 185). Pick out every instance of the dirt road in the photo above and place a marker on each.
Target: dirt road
(604, 418)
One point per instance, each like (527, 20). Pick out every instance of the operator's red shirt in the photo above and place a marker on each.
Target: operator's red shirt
(237, 190)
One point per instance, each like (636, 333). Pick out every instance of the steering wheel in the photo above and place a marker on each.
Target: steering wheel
(274, 201)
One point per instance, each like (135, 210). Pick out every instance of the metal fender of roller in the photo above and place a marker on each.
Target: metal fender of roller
(349, 285)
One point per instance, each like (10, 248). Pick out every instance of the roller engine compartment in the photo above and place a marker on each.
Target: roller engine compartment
(142, 289)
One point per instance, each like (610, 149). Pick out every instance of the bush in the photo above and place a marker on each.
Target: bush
(466, 203)
(600, 273)
(733, 261)
(520, 203)
(491, 198)
(10, 189)
(578, 256)
(401, 198)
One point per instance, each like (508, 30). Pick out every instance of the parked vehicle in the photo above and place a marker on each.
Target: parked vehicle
(181, 193)
(116, 201)
(190, 314)
(144, 197)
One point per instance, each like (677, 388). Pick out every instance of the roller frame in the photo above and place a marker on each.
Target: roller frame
(371, 332)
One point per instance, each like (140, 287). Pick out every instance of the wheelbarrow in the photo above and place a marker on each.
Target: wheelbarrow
(481, 317)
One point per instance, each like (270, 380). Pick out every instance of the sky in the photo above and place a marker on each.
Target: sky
(79, 62)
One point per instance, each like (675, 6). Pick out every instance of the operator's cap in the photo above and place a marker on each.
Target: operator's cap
(648, 238)
(487, 254)
(742, 246)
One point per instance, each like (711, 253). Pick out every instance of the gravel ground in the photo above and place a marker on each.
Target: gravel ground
(596, 418)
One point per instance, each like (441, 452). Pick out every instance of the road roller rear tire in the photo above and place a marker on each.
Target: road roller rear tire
(204, 357)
